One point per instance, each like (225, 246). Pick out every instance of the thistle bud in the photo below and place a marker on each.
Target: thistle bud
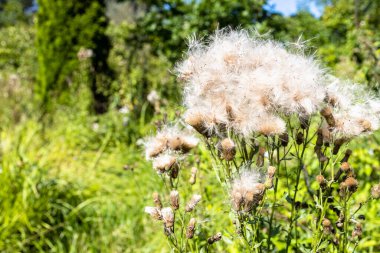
(227, 149)
(327, 114)
(375, 191)
(191, 228)
(326, 224)
(154, 212)
(270, 175)
(319, 141)
(193, 202)
(214, 238)
(321, 181)
(352, 184)
(337, 144)
(193, 177)
(284, 139)
(299, 138)
(304, 121)
(174, 200)
(168, 218)
(157, 200)
(347, 155)
(344, 168)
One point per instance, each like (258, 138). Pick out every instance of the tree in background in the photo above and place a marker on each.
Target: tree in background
(63, 28)
(354, 39)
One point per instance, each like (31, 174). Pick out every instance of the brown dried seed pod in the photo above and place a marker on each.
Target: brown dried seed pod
(304, 121)
(214, 238)
(260, 157)
(157, 200)
(347, 155)
(321, 181)
(299, 138)
(191, 228)
(352, 184)
(284, 139)
(327, 114)
(174, 199)
(319, 142)
(196, 121)
(174, 171)
(337, 144)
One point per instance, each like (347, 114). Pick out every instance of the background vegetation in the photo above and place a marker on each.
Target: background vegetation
(72, 174)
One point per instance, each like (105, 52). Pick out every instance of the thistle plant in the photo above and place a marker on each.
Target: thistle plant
(277, 126)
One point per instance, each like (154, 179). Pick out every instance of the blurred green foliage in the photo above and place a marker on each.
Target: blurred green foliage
(63, 28)
(63, 185)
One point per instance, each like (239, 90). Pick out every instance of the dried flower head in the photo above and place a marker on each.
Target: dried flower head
(157, 200)
(174, 199)
(352, 184)
(321, 181)
(193, 177)
(193, 202)
(358, 230)
(247, 191)
(168, 218)
(170, 138)
(154, 212)
(214, 238)
(326, 224)
(375, 191)
(191, 228)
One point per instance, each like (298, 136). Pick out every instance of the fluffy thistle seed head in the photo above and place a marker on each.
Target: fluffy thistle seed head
(247, 191)
(164, 163)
